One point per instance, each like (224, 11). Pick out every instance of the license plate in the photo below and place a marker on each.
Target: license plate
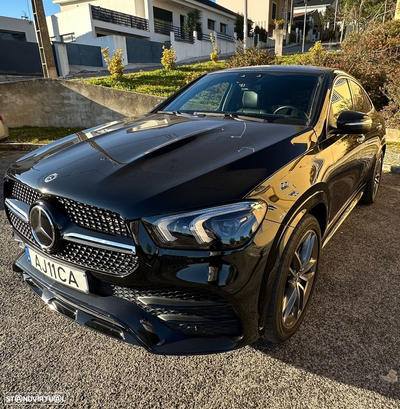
(61, 273)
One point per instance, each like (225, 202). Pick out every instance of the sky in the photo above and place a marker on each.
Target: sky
(17, 8)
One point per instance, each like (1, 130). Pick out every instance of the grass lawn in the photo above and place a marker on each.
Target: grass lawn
(159, 82)
(29, 134)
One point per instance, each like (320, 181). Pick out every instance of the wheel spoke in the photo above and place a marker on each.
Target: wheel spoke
(377, 178)
(307, 276)
(298, 265)
(293, 272)
(289, 302)
(309, 267)
(307, 248)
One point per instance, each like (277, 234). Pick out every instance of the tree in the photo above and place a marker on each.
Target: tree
(239, 26)
(193, 22)
(363, 12)
(262, 33)
(328, 18)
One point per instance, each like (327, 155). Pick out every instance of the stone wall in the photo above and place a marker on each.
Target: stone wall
(61, 103)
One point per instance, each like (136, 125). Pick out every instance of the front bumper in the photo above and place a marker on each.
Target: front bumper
(168, 301)
(119, 318)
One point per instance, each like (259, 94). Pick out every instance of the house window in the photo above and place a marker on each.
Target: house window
(274, 11)
(12, 35)
(182, 21)
(211, 24)
(162, 21)
(222, 28)
(68, 38)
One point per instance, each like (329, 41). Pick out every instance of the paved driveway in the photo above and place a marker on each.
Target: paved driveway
(346, 355)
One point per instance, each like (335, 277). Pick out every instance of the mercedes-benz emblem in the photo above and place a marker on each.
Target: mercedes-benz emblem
(50, 177)
(42, 226)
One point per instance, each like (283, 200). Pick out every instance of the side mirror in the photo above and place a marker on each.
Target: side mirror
(354, 122)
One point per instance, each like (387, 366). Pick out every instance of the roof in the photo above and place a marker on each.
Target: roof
(309, 13)
(305, 69)
(216, 6)
(314, 3)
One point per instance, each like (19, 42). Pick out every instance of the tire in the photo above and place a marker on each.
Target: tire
(293, 286)
(373, 183)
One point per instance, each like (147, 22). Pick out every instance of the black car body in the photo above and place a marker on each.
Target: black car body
(139, 207)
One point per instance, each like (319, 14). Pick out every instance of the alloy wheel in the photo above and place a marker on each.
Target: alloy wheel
(300, 278)
(378, 176)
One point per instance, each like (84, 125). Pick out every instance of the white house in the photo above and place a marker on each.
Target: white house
(120, 24)
(17, 29)
(320, 5)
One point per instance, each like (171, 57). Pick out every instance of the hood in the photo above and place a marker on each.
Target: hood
(162, 163)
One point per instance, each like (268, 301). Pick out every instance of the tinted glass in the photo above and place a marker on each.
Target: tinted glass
(340, 100)
(273, 96)
(209, 99)
(361, 101)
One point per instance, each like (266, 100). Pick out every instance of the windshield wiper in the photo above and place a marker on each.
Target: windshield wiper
(231, 115)
(169, 112)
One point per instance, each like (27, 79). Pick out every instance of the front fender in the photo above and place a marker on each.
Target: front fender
(315, 201)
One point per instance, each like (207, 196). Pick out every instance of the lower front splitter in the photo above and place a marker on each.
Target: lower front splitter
(118, 318)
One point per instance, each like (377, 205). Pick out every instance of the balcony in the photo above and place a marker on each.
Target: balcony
(220, 36)
(122, 19)
(165, 27)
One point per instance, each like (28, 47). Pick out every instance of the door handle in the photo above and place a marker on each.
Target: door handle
(361, 139)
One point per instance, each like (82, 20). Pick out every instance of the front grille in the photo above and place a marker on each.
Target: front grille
(94, 218)
(217, 319)
(22, 227)
(92, 258)
(25, 193)
(83, 215)
(98, 259)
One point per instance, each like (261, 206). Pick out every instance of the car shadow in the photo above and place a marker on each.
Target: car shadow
(350, 332)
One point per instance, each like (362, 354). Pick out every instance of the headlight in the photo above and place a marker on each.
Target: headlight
(221, 227)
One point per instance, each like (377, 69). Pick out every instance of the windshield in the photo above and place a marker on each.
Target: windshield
(284, 97)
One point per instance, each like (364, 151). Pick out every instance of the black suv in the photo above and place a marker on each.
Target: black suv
(198, 227)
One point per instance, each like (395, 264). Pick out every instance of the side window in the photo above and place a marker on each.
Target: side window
(340, 100)
(207, 100)
(361, 101)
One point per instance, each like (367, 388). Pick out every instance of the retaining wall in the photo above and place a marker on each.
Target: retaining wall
(61, 103)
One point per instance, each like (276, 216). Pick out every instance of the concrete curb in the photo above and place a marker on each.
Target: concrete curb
(391, 169)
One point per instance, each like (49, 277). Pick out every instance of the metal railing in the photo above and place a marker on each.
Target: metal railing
(182, 35)
(162, 27)
(225, 37)
(122, 19)
(166, 27)
(203, 37)
(220, 36)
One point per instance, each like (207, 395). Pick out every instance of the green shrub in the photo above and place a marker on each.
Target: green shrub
(214, 55)
(168, 59)
(252, 56)
(391, 90)
(114, 64)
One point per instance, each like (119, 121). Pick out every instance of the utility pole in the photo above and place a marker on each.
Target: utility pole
(304, 26)
(385, 11)
(334, 23)
(42, 33)
(245, 28)
(397, 13)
